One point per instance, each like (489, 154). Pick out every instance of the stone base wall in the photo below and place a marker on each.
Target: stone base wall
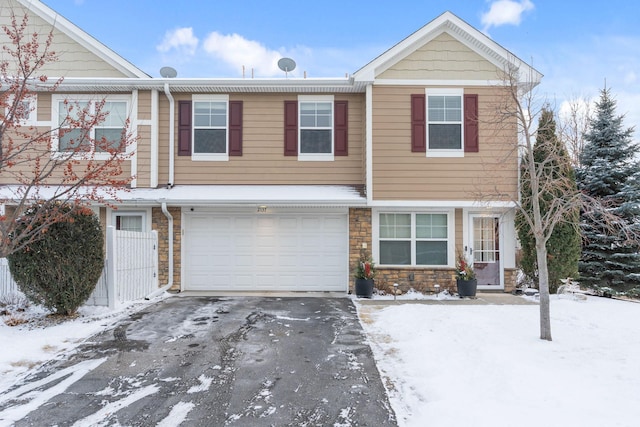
(510, 279)
(160, 223)
(421, 280)
(359, 236)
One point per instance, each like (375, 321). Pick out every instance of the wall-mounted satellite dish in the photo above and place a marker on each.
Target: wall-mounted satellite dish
(168, 72)
(286, 65)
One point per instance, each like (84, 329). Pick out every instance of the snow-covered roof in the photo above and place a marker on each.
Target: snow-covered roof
(202, 195)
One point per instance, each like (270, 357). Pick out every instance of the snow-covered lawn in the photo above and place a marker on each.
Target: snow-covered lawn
(453, 365)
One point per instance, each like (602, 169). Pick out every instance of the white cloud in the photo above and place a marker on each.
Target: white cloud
(505, 12)
(180, 39)
(238, 51)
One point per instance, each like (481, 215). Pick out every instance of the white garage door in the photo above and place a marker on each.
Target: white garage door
(265, 252)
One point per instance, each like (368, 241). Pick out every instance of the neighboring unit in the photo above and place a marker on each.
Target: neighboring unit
(280, 184)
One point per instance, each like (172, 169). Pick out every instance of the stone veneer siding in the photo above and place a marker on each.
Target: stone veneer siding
(359, 234)
(160, 223)
(419, 279)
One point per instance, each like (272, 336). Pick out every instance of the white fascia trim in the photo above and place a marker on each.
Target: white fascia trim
(443, 204)
(437, 82)
(83, 38)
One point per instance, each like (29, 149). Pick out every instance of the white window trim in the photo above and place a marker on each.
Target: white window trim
(375, 232)
(444, 92)
(317, 157)
(84, 99)
(32, 100)
(145, 213)
(208, 157)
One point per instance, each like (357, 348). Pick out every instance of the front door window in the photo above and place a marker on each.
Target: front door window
(486, 250)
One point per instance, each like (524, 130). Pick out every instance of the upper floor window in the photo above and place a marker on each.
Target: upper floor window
(79, 129)
(316, 127)
(25, 109)
(444, 122)
(445, 128)
(210, 127)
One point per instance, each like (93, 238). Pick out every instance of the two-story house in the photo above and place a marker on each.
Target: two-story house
(280, 184)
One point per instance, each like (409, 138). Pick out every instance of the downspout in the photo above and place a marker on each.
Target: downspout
(172, 113)
(169, 284)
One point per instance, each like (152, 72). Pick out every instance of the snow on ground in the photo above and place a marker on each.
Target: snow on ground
(443, 365)
(484, 365)
(44, 338)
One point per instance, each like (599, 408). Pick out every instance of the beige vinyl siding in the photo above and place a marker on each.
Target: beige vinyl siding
(143, 151)
(73, 59)
(443, 58)
(263, 160)
(45, 124)
(399, 174)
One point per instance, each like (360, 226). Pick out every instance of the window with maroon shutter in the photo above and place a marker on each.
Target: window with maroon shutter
(471, 144)
(184, 128)
(340, 128)
(235, 128)
(418, 124)
(290, 128)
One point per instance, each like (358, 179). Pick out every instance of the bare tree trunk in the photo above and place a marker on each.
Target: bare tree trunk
(543, 277)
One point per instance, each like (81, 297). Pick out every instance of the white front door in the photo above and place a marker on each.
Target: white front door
(486, 251)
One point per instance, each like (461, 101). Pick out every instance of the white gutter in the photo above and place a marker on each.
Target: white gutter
(169, 284)
(172, 113)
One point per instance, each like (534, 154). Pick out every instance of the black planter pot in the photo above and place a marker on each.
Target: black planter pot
(364, 288)
(467, 288)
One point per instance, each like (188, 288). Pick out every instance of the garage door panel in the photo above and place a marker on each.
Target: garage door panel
(266, 252)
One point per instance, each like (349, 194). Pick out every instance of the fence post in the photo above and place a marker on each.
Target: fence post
(111, 267)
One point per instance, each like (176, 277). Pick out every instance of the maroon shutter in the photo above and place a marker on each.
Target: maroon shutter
(290, 128)
(471, 144)
(340, 128)
(418, 124)
(184, 128)
(235, 128)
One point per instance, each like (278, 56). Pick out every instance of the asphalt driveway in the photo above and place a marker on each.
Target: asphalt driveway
(201, 361)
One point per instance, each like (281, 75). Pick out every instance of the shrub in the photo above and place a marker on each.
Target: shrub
(59, 270)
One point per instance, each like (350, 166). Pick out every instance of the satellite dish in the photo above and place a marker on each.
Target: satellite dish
(168, 72)
(286, 65)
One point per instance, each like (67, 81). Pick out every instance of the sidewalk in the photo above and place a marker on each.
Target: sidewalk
(482, 298)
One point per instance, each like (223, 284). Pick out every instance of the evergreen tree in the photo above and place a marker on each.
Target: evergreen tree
(563, 246)
(609, 172)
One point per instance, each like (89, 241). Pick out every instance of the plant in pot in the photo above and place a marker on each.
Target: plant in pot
(465, 277)
(364, 275)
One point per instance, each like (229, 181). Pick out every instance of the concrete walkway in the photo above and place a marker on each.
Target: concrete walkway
(482, 298)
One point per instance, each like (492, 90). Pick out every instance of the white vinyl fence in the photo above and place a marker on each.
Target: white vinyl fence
(130, 271)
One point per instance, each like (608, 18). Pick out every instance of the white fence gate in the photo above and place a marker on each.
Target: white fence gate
(130, 271)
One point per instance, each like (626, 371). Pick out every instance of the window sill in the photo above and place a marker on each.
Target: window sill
(316, 157)
(445, 153)
(210, 157)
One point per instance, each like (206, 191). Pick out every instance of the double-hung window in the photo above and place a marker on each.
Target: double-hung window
(445, 127)
(73, 118)
(210, 127)
(24, 109)
(414, 238)
(316, 127)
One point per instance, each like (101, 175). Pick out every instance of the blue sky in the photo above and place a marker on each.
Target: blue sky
(575, 44)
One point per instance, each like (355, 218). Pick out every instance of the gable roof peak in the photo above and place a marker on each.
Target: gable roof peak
(82, 38)
(453, 25)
